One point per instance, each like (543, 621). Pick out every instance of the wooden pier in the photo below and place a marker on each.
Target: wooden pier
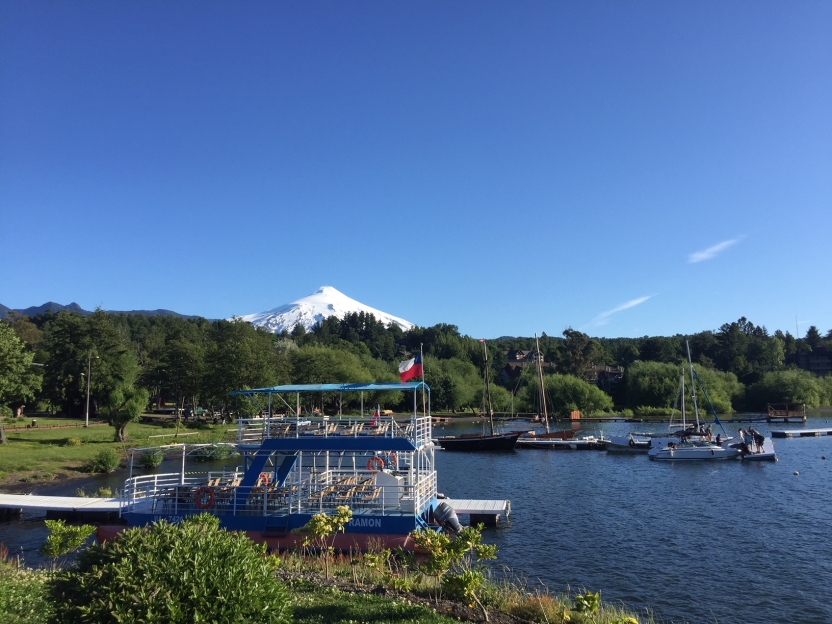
(800, 433)
(784, 412)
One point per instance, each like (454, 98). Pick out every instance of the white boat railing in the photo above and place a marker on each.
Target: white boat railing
(256, 430)
(220, 493)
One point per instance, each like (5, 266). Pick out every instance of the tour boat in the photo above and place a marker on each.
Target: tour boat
(385, 475)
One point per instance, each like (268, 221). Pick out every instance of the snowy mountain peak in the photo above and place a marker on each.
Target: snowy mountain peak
(308, 311)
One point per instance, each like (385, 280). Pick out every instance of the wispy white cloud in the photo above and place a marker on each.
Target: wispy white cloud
(712, 252)
(604, 317)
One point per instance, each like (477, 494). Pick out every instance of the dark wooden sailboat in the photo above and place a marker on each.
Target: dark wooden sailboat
(549, 439)
(484, 442)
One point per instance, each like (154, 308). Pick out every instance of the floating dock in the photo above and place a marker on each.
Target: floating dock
(800, 433)
(60, 507)
(487, 512)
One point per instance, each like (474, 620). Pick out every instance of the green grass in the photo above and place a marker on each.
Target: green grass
(313, 603)
(41, 454)
(316, 602)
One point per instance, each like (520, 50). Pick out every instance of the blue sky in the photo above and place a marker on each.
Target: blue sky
(624, 168)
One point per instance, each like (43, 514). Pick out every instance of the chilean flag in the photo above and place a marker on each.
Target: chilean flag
(411, 368)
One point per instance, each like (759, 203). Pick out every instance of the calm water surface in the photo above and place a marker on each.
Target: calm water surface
(726, 542)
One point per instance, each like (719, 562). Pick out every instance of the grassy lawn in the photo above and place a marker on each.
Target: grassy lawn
(313, 603)
(42, 454)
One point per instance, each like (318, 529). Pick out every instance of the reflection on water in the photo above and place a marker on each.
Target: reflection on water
(726, 542)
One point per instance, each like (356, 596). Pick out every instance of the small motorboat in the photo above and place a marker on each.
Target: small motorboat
(628, 444)
(588, 443)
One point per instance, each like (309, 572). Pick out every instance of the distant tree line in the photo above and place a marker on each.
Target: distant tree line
(137, 362)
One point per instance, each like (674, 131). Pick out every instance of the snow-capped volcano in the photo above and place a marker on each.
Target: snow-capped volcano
(308, 311)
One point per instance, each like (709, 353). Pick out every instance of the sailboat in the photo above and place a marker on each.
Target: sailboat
(685, 447)
(549, 439)
(481, 442)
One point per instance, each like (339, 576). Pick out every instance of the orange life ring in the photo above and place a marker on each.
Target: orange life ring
(374, 464)
(392, 461)
(264, 478)
(204, 497)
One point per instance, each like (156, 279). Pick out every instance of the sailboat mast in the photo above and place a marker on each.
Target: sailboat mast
(488, 388)
(693, 386)
(682, 395)
(542, 387)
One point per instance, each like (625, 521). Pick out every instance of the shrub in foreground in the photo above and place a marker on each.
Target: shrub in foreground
(23, 595)
(189, 572)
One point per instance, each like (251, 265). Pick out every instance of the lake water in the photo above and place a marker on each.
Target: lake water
(724, 541)
(729, 542)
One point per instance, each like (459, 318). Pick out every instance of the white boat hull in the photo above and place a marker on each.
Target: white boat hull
(628, 444)
(693, 452)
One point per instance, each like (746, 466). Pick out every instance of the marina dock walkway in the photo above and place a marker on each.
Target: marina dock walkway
(29, 502)
(800, 433)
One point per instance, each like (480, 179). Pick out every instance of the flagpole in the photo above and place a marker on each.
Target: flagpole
(422, 358)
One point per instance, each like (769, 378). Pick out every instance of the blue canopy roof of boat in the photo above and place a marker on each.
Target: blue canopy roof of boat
(345, 387)
(334, 443)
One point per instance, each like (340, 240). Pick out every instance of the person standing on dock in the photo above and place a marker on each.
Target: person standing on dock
(743, 443)
(759, 439)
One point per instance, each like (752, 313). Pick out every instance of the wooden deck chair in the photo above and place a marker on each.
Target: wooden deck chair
(325, 493)
(345, 495)
(370, 497)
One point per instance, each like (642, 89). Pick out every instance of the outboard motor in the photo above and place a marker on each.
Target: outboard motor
(445, 515)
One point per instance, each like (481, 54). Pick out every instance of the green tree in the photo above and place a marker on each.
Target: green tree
(564, 394)
(723, 389)
(567, 393)
(652, 384)
(124, 402)
(578, 352)
(240, 357)
(454, 383)
(26, 330)
(786, 386)
(19, 381)
(660, 349)
(184, 363)
(813, 337)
